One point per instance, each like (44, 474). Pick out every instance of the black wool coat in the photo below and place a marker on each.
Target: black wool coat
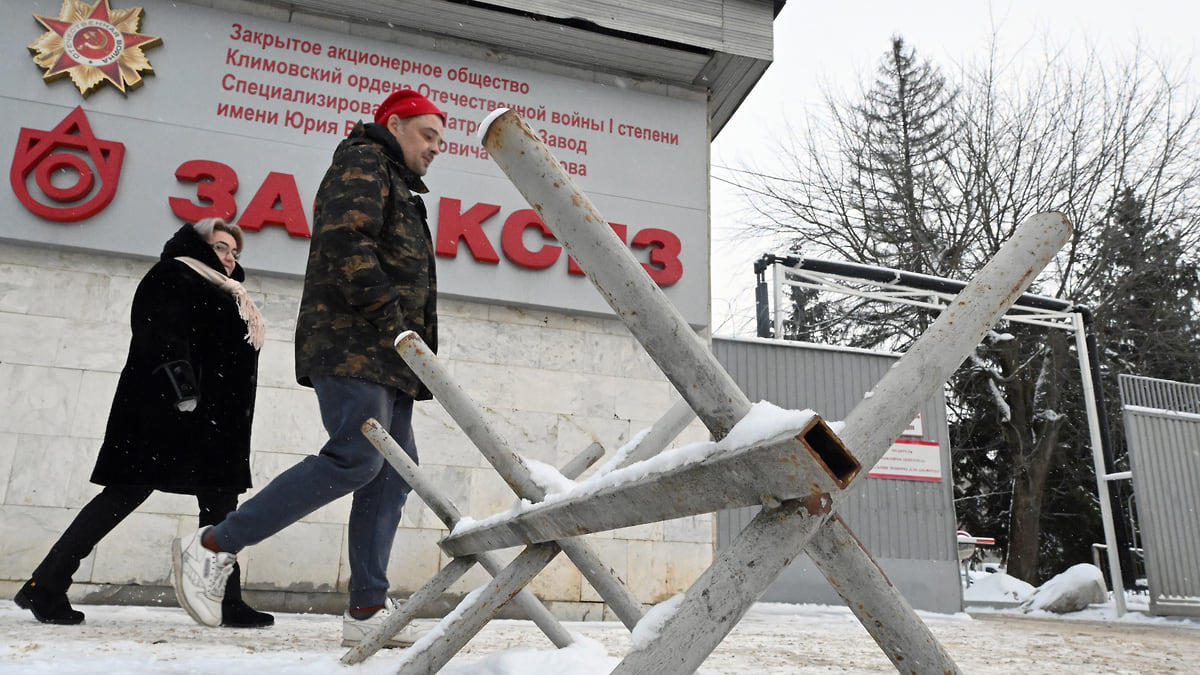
(186, 333)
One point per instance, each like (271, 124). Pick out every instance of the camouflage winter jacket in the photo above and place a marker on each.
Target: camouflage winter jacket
(370, 269)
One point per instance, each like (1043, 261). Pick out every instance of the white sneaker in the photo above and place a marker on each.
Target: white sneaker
(200, 577)
(355, 631)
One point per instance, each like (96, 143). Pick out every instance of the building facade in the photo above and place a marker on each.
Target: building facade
(127, 119)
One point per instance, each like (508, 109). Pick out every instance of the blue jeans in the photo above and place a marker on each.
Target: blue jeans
(347, 463)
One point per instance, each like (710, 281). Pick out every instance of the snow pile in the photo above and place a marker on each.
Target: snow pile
(998, 587)
(584, 656)
(1076, 589)
(1073, 590)
(646, 630)
(547, 477)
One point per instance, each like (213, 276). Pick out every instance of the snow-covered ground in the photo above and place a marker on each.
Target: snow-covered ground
(771, 638)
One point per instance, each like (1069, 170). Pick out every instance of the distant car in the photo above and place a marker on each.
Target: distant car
(992, 568)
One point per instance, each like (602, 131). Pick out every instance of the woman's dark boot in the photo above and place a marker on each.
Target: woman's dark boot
(237, 614)
(48, 605)
(45, 594)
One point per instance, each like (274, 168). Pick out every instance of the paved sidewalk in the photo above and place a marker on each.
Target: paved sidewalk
(771, 639)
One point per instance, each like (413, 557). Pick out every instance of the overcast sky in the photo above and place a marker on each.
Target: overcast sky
(822, 44)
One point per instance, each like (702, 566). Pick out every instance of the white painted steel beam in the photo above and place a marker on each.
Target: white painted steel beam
(661, 433)
(679, 352)
(433, 651)
(449, 514)
(856, 577)
(721, 596)
(878, 420)
(511, 467)
(428, 593)
(714, 397)
(746, 476)
(579, 463)
(869, 429)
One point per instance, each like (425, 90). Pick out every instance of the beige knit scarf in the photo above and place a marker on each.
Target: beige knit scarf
(255, 326)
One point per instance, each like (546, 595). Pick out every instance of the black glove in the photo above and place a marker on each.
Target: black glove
(183, 384)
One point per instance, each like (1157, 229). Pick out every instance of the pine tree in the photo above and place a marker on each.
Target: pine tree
(899, 139)
(903, 122)
(1146, 296)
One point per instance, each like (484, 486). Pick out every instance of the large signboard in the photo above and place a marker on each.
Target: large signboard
(121, 121)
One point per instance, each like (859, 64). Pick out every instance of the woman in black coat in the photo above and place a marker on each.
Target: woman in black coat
(180, 419)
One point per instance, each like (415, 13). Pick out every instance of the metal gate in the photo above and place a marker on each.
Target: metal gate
(1162, 427)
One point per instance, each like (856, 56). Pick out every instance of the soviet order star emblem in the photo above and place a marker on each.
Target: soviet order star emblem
(94, 44)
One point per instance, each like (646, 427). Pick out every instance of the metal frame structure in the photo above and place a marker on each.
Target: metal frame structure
(936, 293)
(798, 477)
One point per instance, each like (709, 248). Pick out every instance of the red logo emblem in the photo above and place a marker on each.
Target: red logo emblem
(64, 165)
(94, 44)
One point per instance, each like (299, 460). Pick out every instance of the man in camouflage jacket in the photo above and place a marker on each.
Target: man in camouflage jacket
(370, 267)
(370, 277)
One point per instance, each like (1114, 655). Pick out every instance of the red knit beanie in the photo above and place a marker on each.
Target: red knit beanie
(406, 103)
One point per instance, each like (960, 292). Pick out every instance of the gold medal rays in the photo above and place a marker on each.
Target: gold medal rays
(94, 44)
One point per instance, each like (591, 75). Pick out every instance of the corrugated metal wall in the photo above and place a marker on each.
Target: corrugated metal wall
(907, 526)
(1162, 428)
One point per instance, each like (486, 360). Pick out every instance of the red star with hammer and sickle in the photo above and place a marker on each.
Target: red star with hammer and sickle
(111, 71)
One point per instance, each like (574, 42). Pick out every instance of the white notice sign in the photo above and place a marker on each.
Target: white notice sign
(910, 459)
